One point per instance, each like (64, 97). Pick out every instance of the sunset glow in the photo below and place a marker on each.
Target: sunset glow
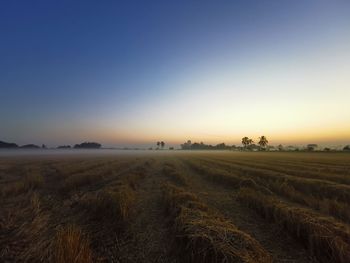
(199, 71)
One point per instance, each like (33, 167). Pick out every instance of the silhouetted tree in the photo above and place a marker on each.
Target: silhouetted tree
(158, 144)
(263, 142)
(64, 147)
(280, 147)
(346, 148)
(246, 142)
(30, 146)
(311, 147)
(220, 146)
(8, 145)
(88, 145)
(162, 144)
(186, 145)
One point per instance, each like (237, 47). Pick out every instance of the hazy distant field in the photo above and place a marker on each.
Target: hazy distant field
(175, 207)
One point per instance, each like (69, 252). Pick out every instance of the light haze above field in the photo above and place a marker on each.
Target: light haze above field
(212, 71)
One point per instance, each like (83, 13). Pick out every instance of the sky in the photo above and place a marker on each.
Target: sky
(136, 72)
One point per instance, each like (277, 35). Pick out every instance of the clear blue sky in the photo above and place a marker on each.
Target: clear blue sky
(141, 71)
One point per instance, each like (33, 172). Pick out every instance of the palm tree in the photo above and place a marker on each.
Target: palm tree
(162, 144)
(158, 144)
(250, 141)
(246, 142)
(263, 142)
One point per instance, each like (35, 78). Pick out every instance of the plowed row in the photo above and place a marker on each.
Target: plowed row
(176, 207)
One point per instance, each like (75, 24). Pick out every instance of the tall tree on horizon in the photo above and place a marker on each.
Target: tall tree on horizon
(246, 141)
(162, 144)
(263, 141)
(158, 144)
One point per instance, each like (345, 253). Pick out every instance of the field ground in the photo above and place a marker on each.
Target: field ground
(176, 207)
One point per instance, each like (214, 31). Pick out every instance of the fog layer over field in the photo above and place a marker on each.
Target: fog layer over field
(71, 152)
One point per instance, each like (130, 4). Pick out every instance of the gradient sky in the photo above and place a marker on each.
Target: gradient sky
(142, 71)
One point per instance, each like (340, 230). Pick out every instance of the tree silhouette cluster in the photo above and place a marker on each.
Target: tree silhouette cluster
(30, 146)
(160, 144)
(201, 146)
(64, 147)
(248, 143)
(8, 145)
(87, 145)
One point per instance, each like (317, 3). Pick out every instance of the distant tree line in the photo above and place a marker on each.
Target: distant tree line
(64, 147)
(88, 145)
(201, 146)
(248, 145)
(84, 145)
(9, 145)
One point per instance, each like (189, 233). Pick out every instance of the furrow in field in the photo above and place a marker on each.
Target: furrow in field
(31, 227)
(109, 213)
(301, 171)
(310, 194)
(222, 198)
(322, 168)
(147, 238)
(203, 235)
(316, 187)
(325, 238)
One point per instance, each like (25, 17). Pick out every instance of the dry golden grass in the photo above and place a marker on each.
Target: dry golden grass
(71, 246)
(76, 181)
(205, 236)
(215, 175)
(316, 187)
(26, 223)
(326, 238)
(333, 207)
(29, 182)
(323, 196)
(169, 169)
(112, 205)
(290, 167)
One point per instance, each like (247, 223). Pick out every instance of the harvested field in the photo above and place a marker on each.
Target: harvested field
(176, 206)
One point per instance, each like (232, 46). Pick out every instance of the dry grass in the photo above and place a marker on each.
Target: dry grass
(316, 187)
(114, 205)
(84, 209)
(206, 237)
(27, 223)
(71, 246)
(327, 197)
(291, 167)
(214, 175)
(169, 170)
(28, 183)
(134, 177)
(74, 182)
(327, 239)
(333, 207)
